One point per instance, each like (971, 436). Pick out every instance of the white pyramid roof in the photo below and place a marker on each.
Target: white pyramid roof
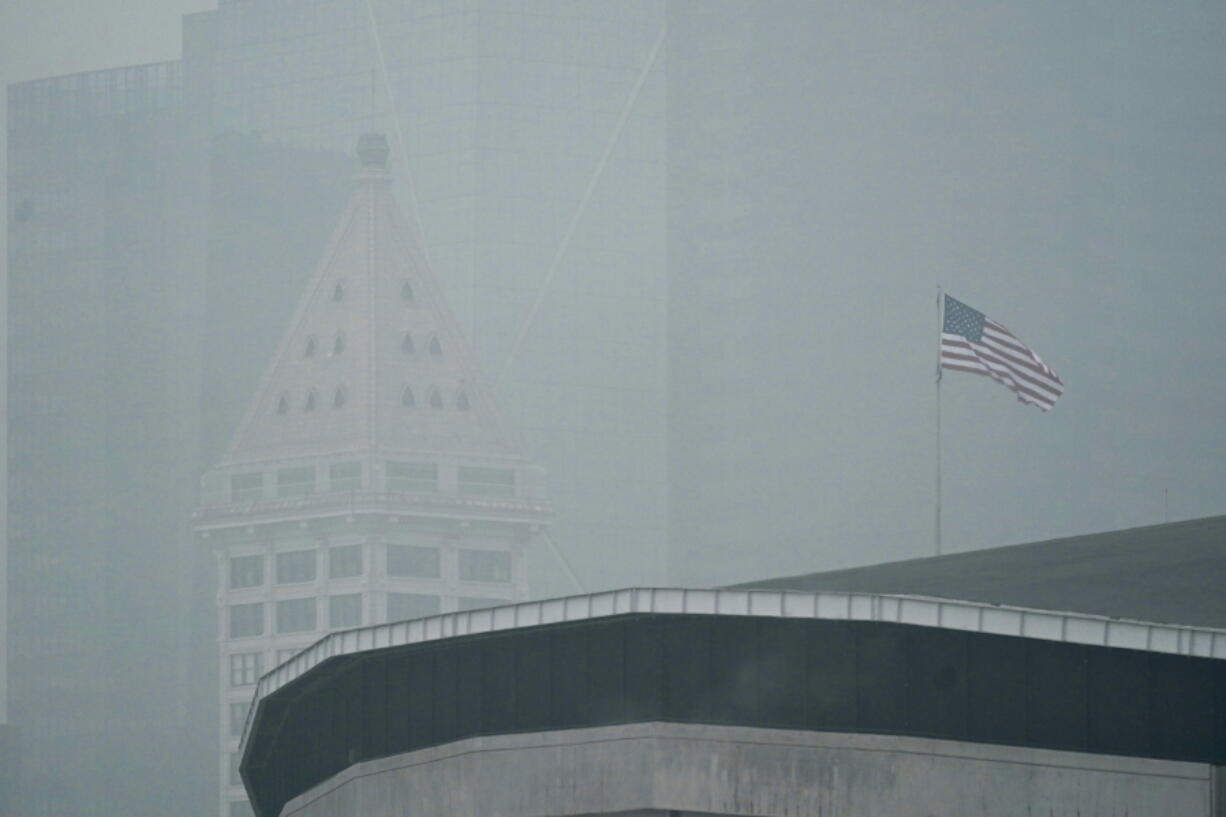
(373, 359)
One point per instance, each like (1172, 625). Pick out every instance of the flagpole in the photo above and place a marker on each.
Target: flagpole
(937, 513)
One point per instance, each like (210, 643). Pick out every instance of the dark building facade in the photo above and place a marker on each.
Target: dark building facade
(650, 702)
(103, 359)
(145, 261)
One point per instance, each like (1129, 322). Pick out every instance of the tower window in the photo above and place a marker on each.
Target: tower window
(298, 481)
(309, 405)
(296, 615)
(338, 291)
(406, 292)
(344, 561)
(436, 399)
(338, 345)
(309, 351)
(412, 476)
(282, 404)
(238, 717)
(246, 620)
(461, 402)
(245, 668)
(345, 476)
(406, 344)
(296, 566)
(407, 399)
(246, 487)
(478, 603)
(246, 571)
(436, 348)
(345, 610)
(338, 399)
(411, 560)
(477, 481)
(485, 566)
(401, 606)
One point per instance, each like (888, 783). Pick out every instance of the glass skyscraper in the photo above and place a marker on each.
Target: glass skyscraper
(101, 442)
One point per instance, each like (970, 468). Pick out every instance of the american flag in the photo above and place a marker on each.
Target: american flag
(973, 342)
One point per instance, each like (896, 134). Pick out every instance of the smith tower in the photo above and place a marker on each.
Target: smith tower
(372, 478)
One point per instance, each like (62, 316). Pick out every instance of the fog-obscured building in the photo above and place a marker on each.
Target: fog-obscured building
(372, 478)
(534, 140)
(102, 402)
(127, 356)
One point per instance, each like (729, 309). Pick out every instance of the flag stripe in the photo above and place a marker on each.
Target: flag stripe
(1029, 359)
(988, 348)
(1005, 352)
(1006, 377)
(1004, 365)
(1005, 334)
(967, 369)
(966, 365)
(1014, 379)
(996, 331)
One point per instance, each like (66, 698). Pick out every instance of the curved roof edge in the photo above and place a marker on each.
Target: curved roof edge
(923, 611)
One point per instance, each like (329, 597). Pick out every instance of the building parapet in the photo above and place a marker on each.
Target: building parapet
(1047, 625)
(358, 502)
(77, 97)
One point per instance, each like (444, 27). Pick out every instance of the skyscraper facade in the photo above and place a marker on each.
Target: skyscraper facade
(102, 398)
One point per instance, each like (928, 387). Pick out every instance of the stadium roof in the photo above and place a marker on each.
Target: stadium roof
(1173, 573)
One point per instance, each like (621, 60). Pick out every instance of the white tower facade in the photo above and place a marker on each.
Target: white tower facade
(372, 478)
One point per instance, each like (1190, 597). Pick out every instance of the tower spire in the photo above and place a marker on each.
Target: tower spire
(373, 152)
(373, 359)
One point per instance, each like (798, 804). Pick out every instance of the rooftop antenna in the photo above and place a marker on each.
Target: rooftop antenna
(405, 176)
(374, 81)
(577, 215)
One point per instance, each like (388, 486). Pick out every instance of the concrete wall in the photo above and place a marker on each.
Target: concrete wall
(643, 770)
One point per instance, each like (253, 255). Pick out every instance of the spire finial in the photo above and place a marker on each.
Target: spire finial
(373, 151)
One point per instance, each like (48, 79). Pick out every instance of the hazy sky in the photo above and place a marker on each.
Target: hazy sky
(64, 36)
(978, 165)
